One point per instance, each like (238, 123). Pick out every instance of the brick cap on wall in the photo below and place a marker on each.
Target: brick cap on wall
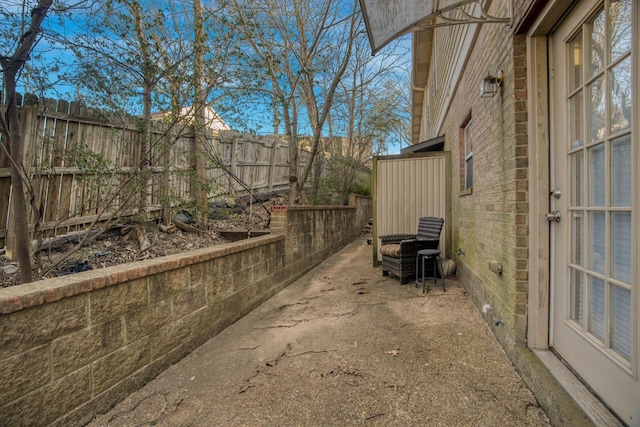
(317, 207)
(20, 297)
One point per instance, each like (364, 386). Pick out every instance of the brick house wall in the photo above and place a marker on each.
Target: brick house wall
(490, 222)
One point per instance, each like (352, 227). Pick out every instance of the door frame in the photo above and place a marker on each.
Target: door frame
(539, 127)
(539, 145)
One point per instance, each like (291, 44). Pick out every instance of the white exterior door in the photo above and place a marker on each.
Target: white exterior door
(595, 166)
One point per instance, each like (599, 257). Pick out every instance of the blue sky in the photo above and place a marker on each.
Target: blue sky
(56, 60)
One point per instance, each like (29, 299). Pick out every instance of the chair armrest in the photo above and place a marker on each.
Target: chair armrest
(414, 245)
(389, 239)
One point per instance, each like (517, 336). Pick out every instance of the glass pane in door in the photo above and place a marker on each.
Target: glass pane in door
(597, 44)
(621, 171)
(620, 40)
(597, 183)
(577, 238)
(577, 120)
(577, 296)
(621, 321)
(596, 307)
(597, 242)
(597, 110)
(577, 178)
(620, 90)
(575, 59)
(621, 246)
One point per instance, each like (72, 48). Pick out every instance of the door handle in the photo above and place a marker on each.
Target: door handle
(552, 216)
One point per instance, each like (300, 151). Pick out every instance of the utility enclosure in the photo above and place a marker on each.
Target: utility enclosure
(406, 187)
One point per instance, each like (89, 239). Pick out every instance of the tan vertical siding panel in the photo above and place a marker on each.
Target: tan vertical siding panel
(408, 188)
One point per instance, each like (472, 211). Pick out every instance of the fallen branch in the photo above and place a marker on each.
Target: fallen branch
(133, 408)
(311, 352)
(249, 348)
(270, 363)
(245, 387)
(297, 322)
(186, 227)
(373, 416)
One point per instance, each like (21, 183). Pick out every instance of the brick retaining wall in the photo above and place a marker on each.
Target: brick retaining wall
(72, 347)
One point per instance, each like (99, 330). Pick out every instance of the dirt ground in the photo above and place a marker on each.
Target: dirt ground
(343, 345)
(121, 243)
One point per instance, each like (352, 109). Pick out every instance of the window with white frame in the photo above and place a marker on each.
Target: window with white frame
(468, 155)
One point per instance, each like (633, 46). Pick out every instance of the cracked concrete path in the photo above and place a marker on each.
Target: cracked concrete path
(343, 346)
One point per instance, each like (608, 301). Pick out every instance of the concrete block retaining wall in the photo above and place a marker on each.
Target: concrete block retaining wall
(72, 347)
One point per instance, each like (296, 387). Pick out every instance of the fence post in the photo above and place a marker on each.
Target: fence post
(272, 167)
(234, 162)
(165, 191)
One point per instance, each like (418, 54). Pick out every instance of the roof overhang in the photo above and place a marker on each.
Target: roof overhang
(433, 144)
(387, 20)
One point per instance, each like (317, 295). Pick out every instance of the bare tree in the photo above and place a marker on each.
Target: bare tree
(118, 68)
(371, 111)
(130, 56)
(303, 47)
(159, 54)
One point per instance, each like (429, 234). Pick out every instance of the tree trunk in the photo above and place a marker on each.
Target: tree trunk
(145, 162)
(18, 197)
(294, 157)
(199, 110)
(294, 190)
(147, 90)
(276, 110)
(317, 169)
(12, 132)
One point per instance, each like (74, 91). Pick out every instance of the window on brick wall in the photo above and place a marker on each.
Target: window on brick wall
(466, 154)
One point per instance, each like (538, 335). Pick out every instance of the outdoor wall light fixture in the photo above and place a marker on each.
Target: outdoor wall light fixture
(491, 84)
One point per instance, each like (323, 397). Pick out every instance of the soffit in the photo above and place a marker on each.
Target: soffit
(433, 144)
(421, 62)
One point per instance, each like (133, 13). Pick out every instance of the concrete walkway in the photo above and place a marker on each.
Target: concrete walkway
(343, 346)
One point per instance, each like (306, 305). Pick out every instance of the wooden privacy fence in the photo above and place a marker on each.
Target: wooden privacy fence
(84, 165)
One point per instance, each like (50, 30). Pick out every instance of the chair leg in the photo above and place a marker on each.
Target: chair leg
(417, 276)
